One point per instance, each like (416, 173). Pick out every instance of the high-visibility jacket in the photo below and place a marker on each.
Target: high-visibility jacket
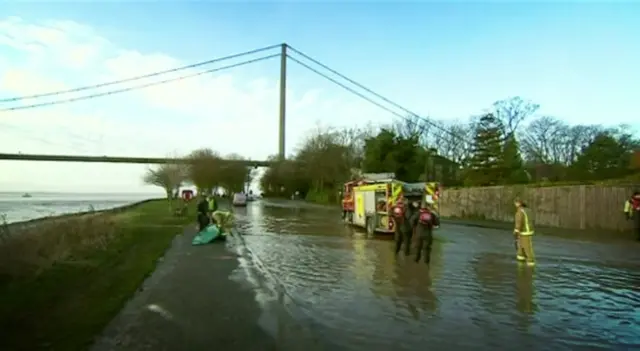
(523, 223)
(632, 204)
(212, 205)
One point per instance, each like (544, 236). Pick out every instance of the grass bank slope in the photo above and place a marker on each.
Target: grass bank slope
(63, 280)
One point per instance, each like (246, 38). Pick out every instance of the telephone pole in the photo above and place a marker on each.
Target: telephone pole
(283, 101)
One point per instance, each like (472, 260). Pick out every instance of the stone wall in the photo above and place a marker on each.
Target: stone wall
(576, 207)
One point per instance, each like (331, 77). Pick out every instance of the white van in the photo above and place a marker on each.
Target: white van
(239, 199)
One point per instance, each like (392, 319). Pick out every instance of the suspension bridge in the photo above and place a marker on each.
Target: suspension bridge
(286, 53)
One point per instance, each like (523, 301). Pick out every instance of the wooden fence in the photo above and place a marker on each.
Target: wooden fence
(576, 207)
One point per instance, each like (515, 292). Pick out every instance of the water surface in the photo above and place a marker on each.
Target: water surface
(16, 208)
(352, 290)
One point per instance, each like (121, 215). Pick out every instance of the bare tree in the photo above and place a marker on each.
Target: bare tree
(354, 140)
(411, 126)
(578, 138)
(451, 139)
(542, 142)
(548, 140)
(626, 136)
(167, 176)
(284, 175)
(204, 170)
(233, 176)
(513, 111)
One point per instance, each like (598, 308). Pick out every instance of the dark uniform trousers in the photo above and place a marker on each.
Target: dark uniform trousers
(425, 241)
(404, 235)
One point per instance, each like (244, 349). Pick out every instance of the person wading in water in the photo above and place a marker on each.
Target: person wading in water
(402, 223)
(632, 211)
(523, 232)
(424, 220)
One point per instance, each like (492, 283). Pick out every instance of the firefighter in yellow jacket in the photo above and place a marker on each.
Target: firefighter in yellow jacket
(524, 232)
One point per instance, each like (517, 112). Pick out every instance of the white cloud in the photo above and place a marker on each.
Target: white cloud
(64, 43)
(24, 82)
(223, 111)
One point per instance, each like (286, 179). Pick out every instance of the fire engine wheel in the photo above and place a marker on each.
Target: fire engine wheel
(371, 226)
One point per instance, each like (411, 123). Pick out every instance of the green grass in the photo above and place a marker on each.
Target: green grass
(65, 305)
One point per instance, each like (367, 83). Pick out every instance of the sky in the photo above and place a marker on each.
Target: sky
(578, 60)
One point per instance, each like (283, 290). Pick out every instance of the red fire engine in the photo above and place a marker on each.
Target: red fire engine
(187, 195)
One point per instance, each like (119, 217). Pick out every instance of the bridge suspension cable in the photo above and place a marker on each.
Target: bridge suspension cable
(144, 76)
(363, 87)
(296, 52)
(136, 87)
(344, 86)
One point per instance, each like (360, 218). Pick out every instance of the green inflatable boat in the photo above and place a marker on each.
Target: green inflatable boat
(215, 232)
(210, 234)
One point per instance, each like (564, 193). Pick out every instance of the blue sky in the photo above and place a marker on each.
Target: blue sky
(579, 61)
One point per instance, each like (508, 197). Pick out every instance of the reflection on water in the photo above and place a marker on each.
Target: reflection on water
(524, 289)
(354, 291)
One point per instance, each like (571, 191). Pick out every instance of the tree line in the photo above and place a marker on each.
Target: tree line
(509, 143)
(205, 169)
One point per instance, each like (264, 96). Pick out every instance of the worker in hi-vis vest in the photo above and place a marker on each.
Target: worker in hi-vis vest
(213, 207)
(632, 211)
(523, 232)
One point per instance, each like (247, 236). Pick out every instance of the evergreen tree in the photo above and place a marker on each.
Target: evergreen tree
(513, 165)
(486, 166)
(388, 152)
(605, 157)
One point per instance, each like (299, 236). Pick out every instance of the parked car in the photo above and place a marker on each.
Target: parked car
(239, 199)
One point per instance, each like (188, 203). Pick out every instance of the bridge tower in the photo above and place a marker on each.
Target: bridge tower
(283, 101)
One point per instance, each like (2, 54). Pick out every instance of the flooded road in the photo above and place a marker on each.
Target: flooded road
(352, 290)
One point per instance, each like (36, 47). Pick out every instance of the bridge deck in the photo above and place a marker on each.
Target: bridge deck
(115, 159)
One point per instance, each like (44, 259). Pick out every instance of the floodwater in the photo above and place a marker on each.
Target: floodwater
(352, 290)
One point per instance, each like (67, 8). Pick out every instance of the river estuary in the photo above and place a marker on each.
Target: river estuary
(352, 290)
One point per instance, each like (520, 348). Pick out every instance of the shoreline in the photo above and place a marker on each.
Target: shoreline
(20, 225)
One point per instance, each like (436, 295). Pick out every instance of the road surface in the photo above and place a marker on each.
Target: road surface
(301, 279)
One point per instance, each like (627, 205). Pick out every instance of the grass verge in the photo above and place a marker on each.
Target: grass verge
(62, 281)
